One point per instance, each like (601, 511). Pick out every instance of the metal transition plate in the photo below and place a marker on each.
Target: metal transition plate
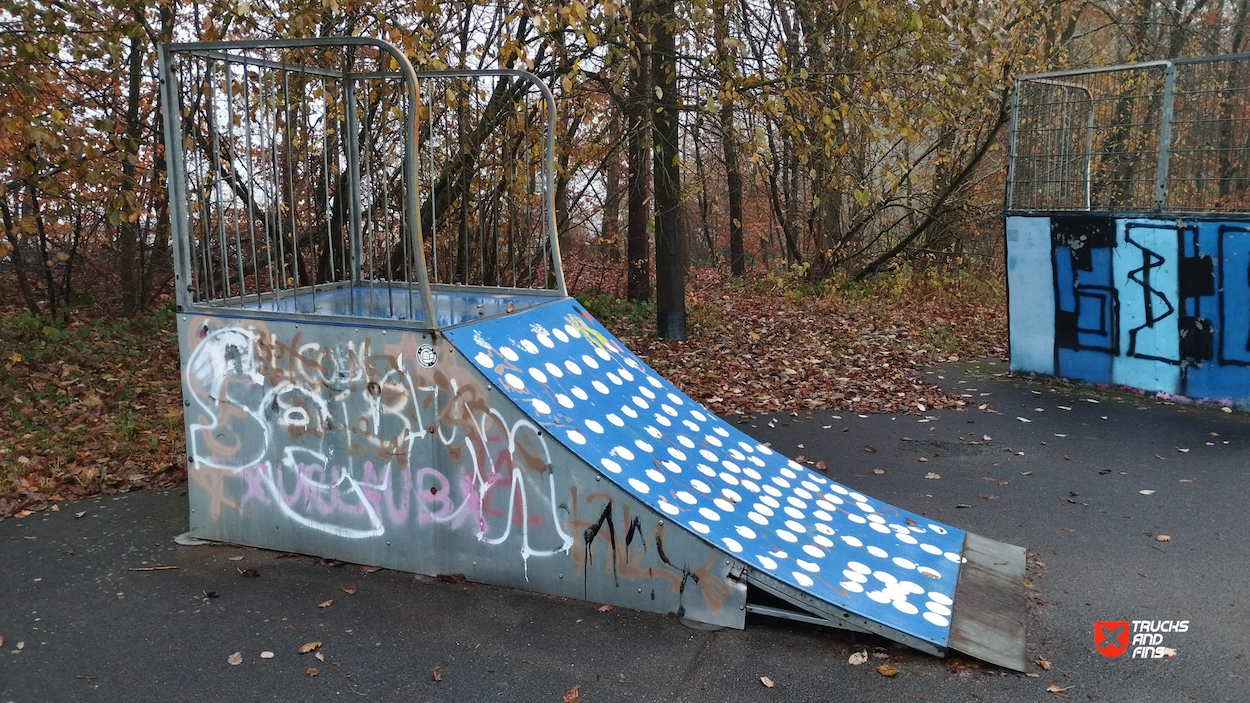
(813, 540)
(988, 619)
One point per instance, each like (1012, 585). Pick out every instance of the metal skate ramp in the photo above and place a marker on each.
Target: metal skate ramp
(840, 557)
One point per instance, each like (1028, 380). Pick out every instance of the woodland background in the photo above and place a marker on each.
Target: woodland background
(818, 182)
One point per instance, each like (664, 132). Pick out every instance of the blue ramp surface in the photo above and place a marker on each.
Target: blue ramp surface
(590, 393)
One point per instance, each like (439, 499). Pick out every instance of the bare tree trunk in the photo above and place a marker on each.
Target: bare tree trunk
(19, 263)
(128, 231)
(638, 246)
(670, 240)
(729, 142)
(610, 235)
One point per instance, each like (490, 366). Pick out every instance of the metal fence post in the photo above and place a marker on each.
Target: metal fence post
(1165, 137)
(1011, 140)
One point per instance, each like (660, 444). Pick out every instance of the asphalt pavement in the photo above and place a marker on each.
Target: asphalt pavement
(1131, 509)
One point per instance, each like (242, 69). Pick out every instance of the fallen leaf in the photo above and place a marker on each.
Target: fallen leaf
(1024, 419)
(436, 674)
(986, 438)
(369, 569)
(308, 647)
(878, 471)
(1187, 480)
(1054, 687)
(320, 657)
(1182, 451)
(20, 645)
(570, 696)
(887, 670)
(1069, 529)
(604, 608)
(933, 475)
(266, 654)
(870, 449)
(1146, 493)
(325, 604)
(1226, 409)
(1043, 662)
(909, 521)
(857, 658)
(1026, 473)
(23, 513)
(923, 460)
(822, 466)
(250, 573)
(78, 515)
(349, 589)
(311, 671)
(235, 659)
(579, 621)
(801, 459)
(963, 505)
(767, 682)
(238, 558)
(1163, 538)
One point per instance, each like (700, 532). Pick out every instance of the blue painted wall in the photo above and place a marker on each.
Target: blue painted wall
(1160, 305)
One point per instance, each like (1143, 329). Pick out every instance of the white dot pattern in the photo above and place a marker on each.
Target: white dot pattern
(856, 553)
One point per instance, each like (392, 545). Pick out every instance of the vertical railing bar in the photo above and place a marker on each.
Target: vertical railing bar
(411, 103)
(481, 233)
(277, 196)
(221, 217)
(368, 225)
(251, 220)
(306, 131)
(236, 162)
(1089, 149)
(383, 121)
(208, 203)
(353, 181)
(433, 193)
(290, 181)
(275, 283)
(1165, 137)
(331, 187)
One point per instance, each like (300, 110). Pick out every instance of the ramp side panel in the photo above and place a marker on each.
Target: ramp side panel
(559, 365)
(383, 446)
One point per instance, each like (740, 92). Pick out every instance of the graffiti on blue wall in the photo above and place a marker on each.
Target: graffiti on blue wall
(1160, 305)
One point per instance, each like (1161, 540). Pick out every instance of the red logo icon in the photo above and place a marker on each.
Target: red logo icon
(1111, 637)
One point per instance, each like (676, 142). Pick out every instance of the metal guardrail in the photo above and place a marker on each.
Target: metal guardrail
(327, 176)
(1155, 137)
